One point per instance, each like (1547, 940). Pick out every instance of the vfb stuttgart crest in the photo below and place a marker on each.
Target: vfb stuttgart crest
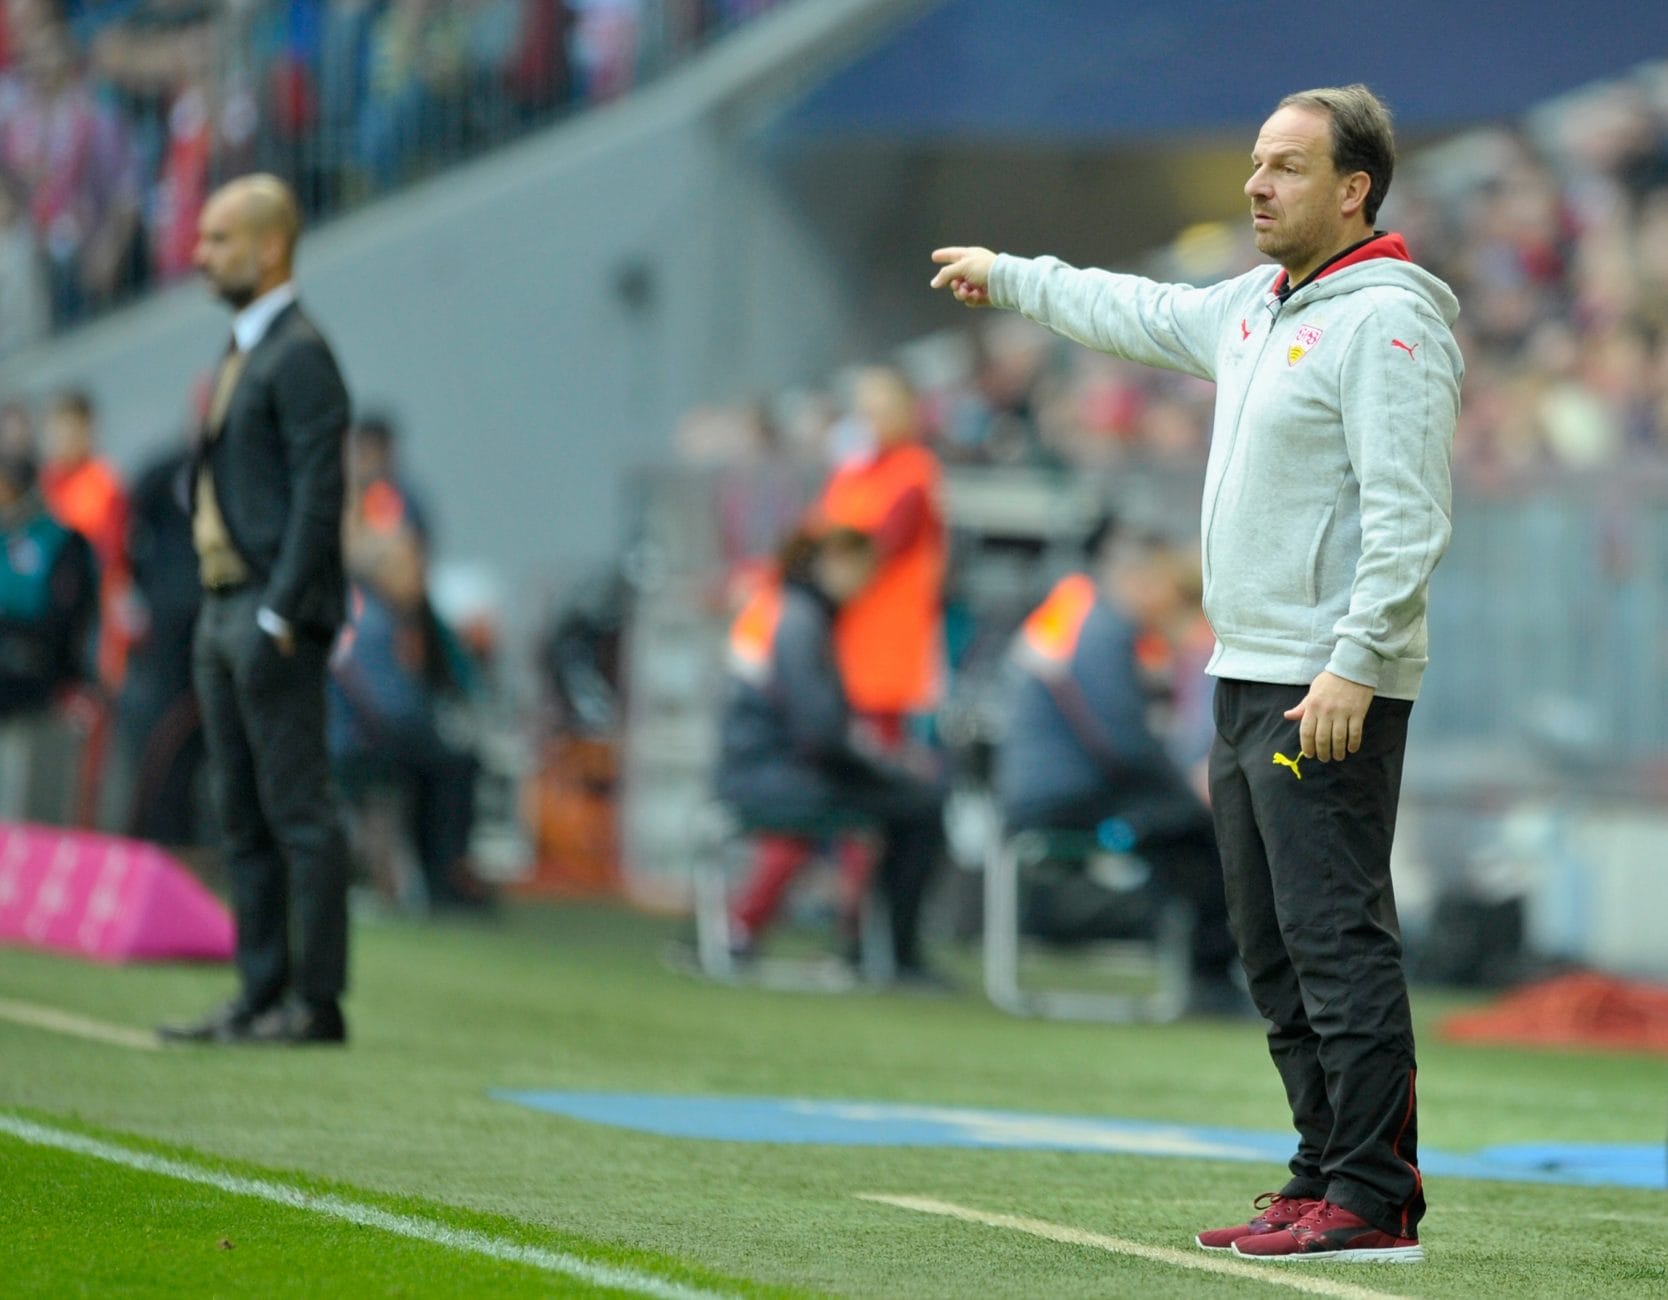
(1307, 337)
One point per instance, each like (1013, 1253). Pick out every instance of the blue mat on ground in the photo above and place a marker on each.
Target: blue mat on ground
(864, 1123)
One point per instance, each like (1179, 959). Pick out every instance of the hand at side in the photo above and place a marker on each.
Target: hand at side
(1332, 717)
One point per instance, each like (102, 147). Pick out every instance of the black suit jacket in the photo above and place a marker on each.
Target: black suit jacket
(277, 472)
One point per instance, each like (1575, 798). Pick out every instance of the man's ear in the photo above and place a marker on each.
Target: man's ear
(1357, 186)
(272, 250)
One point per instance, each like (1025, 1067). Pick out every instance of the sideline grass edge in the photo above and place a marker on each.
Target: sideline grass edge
(511, 1232)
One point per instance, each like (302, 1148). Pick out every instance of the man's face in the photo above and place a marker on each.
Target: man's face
(369, 457)
(842, 573)
(1296, 193)
(69, 437)
(1144, 589)
(229, 251)
(887, 406)
(17, 431)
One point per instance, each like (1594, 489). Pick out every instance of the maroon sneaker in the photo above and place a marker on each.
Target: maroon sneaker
(1278, 1212)
(1330, 1233)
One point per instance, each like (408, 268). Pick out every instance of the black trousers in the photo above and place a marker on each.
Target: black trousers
(911, 814)
(1306, 863)
(263, 721)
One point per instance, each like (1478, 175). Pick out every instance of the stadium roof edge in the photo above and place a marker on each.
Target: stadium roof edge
(1097, 72)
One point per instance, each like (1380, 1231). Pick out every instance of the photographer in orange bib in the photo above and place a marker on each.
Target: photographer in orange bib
(890, 638)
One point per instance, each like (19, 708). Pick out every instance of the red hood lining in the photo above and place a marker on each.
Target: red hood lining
(1389, 245)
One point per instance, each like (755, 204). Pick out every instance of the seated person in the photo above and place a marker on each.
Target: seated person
(391, 678)
(1080, 752)
(787, 753)
(380, 499)
(48, 596)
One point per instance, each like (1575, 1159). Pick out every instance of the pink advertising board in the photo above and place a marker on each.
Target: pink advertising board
(105, 898)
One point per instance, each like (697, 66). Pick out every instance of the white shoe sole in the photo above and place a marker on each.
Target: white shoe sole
(1386, 1255)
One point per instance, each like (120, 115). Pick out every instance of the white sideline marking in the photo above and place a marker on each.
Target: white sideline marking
(369, 1216)
(66, 1022)
(1199, 1262)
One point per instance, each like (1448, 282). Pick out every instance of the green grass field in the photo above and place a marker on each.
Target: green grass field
(400, 1125)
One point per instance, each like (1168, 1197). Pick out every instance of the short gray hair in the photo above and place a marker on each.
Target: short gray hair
(1362, 137)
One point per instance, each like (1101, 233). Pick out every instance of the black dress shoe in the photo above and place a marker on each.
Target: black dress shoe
(294, 1024)
(227, 1024)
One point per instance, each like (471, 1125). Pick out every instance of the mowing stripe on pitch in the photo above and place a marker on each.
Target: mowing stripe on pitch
(368, 1216)
(67, 1022)
(1274, 1274)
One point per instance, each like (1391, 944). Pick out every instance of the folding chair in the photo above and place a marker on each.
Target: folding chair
(1167, 951)
(721, 840)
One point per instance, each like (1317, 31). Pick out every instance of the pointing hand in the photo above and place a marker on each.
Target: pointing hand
(967, 273)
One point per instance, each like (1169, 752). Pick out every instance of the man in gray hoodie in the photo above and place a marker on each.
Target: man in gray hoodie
(1326, 508)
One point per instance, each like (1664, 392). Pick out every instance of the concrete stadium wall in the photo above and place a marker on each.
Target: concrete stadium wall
(539, 319)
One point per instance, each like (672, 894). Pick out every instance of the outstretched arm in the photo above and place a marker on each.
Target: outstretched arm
(1175, 326)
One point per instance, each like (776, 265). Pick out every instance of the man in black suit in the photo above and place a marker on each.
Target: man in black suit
(267, 499)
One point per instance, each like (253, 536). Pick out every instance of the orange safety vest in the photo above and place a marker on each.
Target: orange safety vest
(90, 499)
(1048, 637)
(382, 508)
(889, 639)
(753, 635)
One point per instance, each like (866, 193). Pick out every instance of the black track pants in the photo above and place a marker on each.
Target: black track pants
(1306, 865)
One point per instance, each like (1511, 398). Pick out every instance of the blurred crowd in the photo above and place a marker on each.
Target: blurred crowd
(1555, 237)
(119, 117)
(1552, 231)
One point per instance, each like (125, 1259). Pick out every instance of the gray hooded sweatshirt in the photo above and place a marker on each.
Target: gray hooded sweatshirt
(1327, 493)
